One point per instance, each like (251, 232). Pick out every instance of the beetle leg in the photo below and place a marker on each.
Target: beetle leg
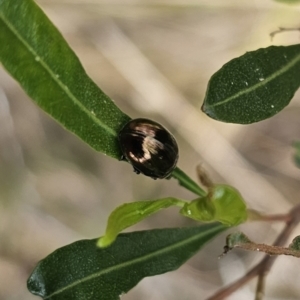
(122, 157)
(136, 170)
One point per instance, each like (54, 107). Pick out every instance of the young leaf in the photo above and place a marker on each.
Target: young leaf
(83, 271)
(229, 204)
(129, 214)
(297, 154)
(223, 203)
(295, 245)
(236, 239)
(255, 86)
(201, 209)
(37, 56)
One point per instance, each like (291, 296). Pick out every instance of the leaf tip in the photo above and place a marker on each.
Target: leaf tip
(36, 283)
(208, 110)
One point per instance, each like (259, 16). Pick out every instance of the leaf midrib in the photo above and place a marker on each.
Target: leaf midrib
(136, 260)
(284, 69)
(61, 85)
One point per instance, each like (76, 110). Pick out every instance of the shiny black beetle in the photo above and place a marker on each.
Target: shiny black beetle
(149, 147)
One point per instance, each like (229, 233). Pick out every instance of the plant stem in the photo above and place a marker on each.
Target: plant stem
(260, 287)
(282, 29)
(185, 181)
(240, 240)
(262, 268)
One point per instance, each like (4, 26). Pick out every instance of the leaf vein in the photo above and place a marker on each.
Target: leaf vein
(64, 87)
(281, 71)
(134, 261)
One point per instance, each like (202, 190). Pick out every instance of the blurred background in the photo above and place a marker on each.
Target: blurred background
(154, 58)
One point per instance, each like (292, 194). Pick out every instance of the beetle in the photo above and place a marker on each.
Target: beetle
(149, 148)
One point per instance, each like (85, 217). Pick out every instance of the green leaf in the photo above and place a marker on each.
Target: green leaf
(237, 239)
(201, 209)
(185, 181)
(295, 245)
(289, 1)
(82, 271)
(297, 154)
(129, 214)
(37, 56)
(223, 203)
(229, 204)
(255, 86)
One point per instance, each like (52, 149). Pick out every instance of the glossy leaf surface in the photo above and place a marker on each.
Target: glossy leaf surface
(37, 56)
(81, 271)
(223, 203)
(129, 214)
(255, 86)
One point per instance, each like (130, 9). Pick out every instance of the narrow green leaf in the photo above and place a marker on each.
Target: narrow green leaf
(82, 271)
(37, 56)
(129, 214)
(297, 154)
(185, 181)
(255, 86)
(289, 1)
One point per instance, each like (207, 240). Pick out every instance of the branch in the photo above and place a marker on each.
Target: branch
(240, 240)
(262, 268)
(282, 29)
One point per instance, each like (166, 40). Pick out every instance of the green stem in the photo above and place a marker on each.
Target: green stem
(185, 181)
(180, 203)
